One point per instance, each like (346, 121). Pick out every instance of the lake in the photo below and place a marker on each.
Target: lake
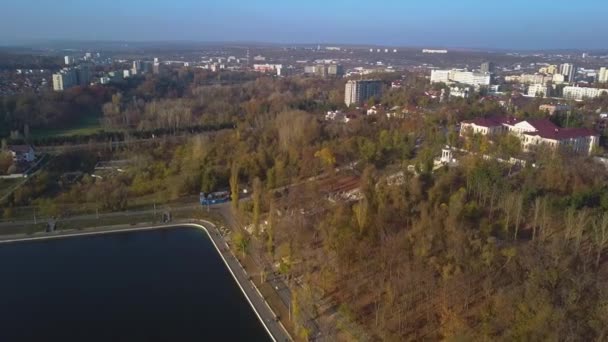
(157, 285)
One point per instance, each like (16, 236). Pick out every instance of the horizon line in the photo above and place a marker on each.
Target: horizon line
(27, 43)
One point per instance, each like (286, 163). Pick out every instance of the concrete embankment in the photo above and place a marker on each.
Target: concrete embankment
(265, 314)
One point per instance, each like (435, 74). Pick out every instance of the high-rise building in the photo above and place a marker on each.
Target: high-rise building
(83, 75)
(356, 92)
(68, 60)
(136, 69)
(487, 67)
(602, 76)
(568, 70)
(320, 70)
(64, 79)
(335, 70)
(156, 67)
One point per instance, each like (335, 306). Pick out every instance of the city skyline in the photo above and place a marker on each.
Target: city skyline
(521, 25)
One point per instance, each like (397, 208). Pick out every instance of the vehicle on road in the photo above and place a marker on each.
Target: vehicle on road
(214, 197)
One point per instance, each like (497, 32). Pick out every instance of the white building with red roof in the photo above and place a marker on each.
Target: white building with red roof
(487, 126)
(535, 133)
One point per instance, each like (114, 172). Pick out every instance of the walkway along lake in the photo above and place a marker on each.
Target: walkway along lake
(154, 285)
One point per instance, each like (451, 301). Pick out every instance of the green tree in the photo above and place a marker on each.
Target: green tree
(241, 241)
(327, 157)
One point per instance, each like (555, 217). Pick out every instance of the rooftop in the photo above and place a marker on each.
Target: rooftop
(493, 121)
(563, 133)
(19, 148)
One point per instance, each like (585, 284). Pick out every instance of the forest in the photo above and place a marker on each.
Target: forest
(482, 251)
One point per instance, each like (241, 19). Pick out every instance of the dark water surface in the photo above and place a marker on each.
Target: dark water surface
(161, 285)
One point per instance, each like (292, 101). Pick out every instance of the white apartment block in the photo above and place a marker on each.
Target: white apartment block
(472, 78)
(541, 90)
(461, 76)
(64, 79)
(568, 70)
(356, 92)
(602, 76)
(580, 93)
(440, 76)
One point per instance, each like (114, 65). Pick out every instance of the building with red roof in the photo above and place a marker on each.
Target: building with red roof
(535, 133)
(487, 126)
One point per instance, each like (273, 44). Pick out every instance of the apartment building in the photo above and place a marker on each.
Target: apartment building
(357, 92)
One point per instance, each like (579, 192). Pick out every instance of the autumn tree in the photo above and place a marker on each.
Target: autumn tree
(257, 199)
(234, 185)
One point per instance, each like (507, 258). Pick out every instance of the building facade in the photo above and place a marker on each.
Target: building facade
(357, 92)
(324, 70)
(580, 93)
(568, 70)
(65, 79)
(460, 91)
(487, 67)
(461, 76)
(552, 109)
(539, 90)
(602, 76)
(440, 76)
(534, 133)
(268, 68)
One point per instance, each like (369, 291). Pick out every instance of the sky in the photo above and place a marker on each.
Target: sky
(506, 24)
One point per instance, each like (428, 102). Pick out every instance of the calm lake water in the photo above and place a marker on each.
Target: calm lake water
(161, 285)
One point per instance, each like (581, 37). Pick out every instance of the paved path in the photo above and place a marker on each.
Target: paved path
(255, 298)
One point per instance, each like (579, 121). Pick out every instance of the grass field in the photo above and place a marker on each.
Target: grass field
(87, 125)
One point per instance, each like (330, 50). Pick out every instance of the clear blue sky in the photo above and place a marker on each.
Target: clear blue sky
(453, 23)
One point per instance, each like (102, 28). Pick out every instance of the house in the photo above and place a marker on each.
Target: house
(461, 91)
(338, 116)
(373, 110)
(334, 115)
(22, 153)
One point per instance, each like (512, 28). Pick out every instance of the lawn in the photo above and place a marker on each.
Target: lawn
(87, 125)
